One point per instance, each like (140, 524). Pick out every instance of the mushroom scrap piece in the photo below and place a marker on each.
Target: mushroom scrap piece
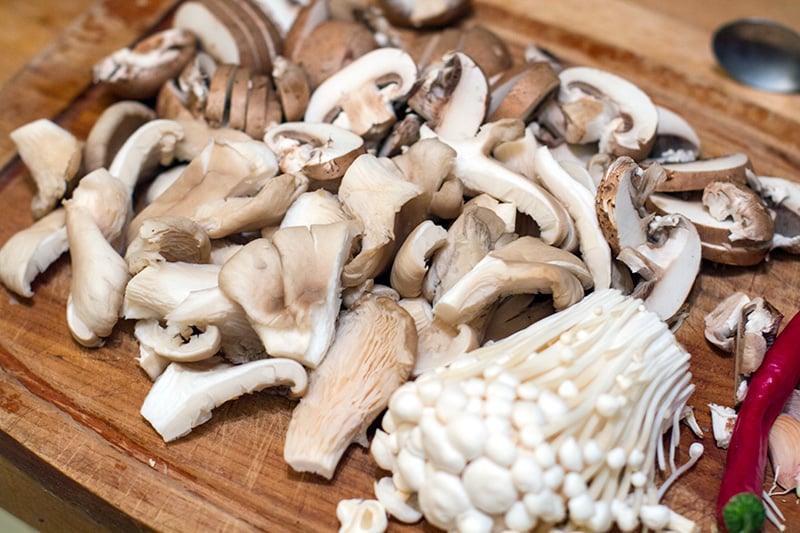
(722, 322)
(184, 396)
(756, 330)
(53, 156)
(676, 140)
(168, 238)
(752, 220)
(292, 87)
(290, 287)
(367, 178)
(410, 262)
(438, 343)
(321, 151)
(512, 269)
(599, 106)
(360, 96)
(31, 250)
(372, 355)
(140, 71)
(231, 187)
(110, 131)
(480, 172)
(95, 217)
(696, 175)
(783, 198)
(579, 202)
(152, 145)
(453, 98)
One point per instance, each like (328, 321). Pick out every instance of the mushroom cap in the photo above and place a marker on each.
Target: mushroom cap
(110, 131)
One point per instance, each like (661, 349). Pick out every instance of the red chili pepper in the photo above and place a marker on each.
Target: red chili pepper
(739, 505)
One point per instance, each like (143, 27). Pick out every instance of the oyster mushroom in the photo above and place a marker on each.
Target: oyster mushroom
(599, 106)
(168, 238)
(410, 262)
(294, 301)
(149, 147)
(321, 151)
(174, 344)
(31, 250)
(53, 156)
(140, 71)
(184, 396)
(110, 131)
(371, 356)
(314, 207)
(359, 97)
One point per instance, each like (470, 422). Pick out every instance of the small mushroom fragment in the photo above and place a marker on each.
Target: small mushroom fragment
(755, 332)
(184, 396)
(453, 98)
(110, 131)
(696, 175)
(140, 71)
(365, 179)
(95, 217)
(511, 269)
(321, 151)
(481, 172)
(53, 156)
(359, 97)
(424, 14)
(371, 356)
(168, 238)
(361, 516)
(290, 287)
(599, 106)
(722, 322)
(723, 418)
(518, 92)
(152, 145)
(31, 250)
(676, 140)
(783, 198)
(410, 262)
(292, 87)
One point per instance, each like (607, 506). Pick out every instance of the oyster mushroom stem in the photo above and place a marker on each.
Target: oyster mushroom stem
(372, 355)
(185, 394)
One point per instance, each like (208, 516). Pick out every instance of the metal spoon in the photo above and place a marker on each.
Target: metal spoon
(761, 53)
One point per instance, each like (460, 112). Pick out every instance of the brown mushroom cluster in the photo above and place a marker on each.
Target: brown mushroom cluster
(344, 194)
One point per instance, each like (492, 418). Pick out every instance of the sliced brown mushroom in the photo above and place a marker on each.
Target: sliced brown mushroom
(783, 198)
(110, 131)
(140, 71)
(751, 219)
(695, 175)
(372, 355)
(517, 92)
(599, 106)
(359, 96)
(53, 156)
(429, 14)
(321, 151)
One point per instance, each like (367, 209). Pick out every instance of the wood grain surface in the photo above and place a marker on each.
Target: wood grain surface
(70, 416)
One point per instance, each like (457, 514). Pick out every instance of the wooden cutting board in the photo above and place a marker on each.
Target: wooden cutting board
(69, 416)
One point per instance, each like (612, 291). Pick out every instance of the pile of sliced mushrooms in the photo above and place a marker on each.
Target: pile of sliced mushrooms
(332, 197)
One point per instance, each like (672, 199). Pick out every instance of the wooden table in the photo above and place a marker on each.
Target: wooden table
(70, 435)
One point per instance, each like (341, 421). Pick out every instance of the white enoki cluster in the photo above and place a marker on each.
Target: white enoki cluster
(560, 424)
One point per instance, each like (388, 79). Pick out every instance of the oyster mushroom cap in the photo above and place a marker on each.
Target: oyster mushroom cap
(197, 135)
(410, 262)
(372, 354)
(30, 251)
(320, 150)
(168, 238)
(110, 131)
(175, 344)
(151, 145)
(53, 157)
(140, 71)
(158, 289)
(315, 207)
(359, 97)
(599, 106)
(184, 395)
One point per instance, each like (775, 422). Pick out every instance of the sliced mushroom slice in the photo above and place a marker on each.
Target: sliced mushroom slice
(480, 172)
(184, 396)
(321, 151)
(410, 262)
(599, 106)
(429, 14)
(372, 355)
(367, 177)
(359, 97)
(695, 175)
(168, 238)
(294, 302)
(505, 271)
(175, 344)
(783, 198)
(722, 322)
(676, 140)
(519, 91)
(31, 250)
(150, 146)
(110, 131)
(453, 98)
(53, 156)
(293, 88)
(751, 219)
(139, 72)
